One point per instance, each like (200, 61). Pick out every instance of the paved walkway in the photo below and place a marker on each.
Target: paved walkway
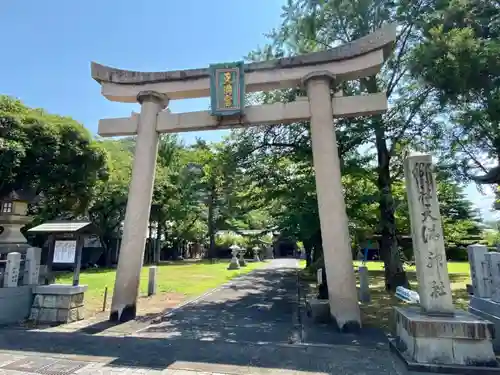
(254, 325)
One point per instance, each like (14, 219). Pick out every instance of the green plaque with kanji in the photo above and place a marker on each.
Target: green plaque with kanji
(227, 89)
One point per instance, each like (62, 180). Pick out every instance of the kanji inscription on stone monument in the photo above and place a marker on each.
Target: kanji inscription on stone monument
(427, 236)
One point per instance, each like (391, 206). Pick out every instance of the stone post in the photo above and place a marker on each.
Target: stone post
(11, 277)
(342, 292)
(32, 271)
(479, 272)
(427, 236)
(152, 280)
(364, 284)
(123, 307)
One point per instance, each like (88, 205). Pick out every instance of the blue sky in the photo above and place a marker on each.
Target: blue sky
(48, 46)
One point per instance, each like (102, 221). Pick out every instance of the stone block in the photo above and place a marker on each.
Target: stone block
(59, 289)
(493, 263)
(58, 303)
(43, 315)
(487, 309)
(46, 315)
(318, 310)
(70, 315)
(49, 302)
(15, 304)
(76, 300)
(459, 340)
(479, 272)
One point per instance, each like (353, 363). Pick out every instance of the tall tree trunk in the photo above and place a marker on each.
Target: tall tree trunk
(158, 243)
(317, 246)
(393, 267)
(394, 273)
(211, 221)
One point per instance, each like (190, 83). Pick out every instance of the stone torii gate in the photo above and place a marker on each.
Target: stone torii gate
(226, 84)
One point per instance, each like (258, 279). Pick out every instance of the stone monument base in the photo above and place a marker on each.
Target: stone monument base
(58, 303)
(318, 310)
(448, 344)
(234, 265)
(487, 309)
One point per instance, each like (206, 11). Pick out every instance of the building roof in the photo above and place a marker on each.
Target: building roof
(22, 195)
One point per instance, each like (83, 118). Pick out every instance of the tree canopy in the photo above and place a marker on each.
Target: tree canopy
(442, 87)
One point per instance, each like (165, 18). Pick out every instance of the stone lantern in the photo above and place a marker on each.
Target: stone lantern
(256, 257)
(13, 217)
(243, 262)
(235, 264)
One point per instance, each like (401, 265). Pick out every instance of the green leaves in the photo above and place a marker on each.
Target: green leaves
(459, 60)
(52, 154)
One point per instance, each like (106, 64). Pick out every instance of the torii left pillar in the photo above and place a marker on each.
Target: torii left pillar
(123, 306)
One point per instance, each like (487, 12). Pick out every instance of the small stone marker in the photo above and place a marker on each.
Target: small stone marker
(427, 235)
(32, 271)
(493, 261)
(364, 284)
(152, 280)
(11, 277)
(479, 272)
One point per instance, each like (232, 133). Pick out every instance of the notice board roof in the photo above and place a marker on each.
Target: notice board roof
(65, 226)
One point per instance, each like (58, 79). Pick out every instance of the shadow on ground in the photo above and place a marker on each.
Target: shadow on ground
(378, 312)
(250, 322)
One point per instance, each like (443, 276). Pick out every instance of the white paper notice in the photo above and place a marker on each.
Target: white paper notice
(64, 251)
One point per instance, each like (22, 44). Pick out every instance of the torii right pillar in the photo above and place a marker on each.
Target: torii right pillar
(342, 292)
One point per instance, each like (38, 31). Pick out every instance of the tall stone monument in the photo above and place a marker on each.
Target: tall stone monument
(435, 335)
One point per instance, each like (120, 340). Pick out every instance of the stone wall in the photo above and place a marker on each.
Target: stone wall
(15, 304)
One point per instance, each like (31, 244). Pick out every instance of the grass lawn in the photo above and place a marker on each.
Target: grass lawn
(176, 282)
(378, 312)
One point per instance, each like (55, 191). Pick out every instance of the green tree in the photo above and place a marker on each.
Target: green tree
(107, 208)
(460, 60)
(315, 25)
(51, 154)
